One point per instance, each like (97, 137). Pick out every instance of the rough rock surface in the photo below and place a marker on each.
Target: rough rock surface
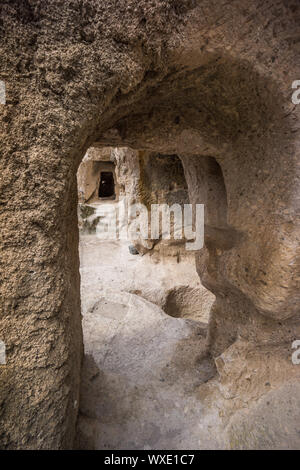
(131, 397)
(141, 178)
(200, 79)
(173, 286)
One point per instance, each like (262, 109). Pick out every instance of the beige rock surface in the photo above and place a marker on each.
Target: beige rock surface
(108, 265)
(131, 397)
(200, 79)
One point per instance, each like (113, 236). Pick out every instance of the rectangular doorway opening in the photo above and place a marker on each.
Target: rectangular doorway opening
(107, 184)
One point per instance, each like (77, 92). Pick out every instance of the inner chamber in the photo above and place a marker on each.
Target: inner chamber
(145, 311)
(107, 184)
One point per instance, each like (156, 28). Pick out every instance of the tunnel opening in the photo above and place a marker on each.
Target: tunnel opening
(151, 304)
(106, 185)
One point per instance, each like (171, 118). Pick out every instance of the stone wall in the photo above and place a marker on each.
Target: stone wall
(203, 80)
(149, 178)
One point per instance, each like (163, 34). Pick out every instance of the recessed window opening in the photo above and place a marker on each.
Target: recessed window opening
(107, 184)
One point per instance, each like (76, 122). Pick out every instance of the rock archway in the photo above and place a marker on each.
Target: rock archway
(209, 81)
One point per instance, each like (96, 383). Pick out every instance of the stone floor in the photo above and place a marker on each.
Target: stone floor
(143, 384)
(108, 265)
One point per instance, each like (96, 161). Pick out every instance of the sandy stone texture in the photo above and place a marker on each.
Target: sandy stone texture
(207, 80)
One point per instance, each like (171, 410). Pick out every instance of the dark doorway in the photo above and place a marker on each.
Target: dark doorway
(107, 184)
